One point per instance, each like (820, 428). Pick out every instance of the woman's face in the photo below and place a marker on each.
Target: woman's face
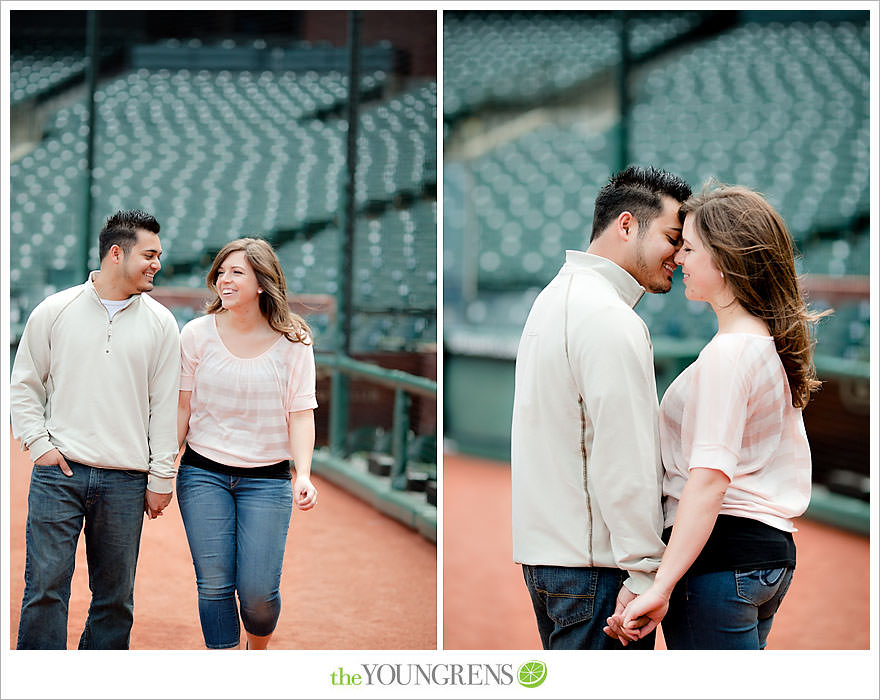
(237, 282)
(702, 279)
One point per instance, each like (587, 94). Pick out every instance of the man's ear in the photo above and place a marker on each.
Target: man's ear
(626, 225)
(115, 253)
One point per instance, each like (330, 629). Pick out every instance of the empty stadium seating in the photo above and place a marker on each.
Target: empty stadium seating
(782, 108)
(220, 154)
(525, 57)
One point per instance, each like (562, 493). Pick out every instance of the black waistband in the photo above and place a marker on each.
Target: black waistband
(744, 544)
(279, 470)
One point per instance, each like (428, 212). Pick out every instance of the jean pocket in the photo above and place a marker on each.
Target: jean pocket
(760, 585)
(569, 592)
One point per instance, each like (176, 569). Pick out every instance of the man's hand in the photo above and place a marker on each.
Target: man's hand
(154, 503)
(615, 628)
(51, 457)
(644, 614)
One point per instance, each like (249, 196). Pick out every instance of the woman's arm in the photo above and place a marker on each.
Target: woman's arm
(697, 511)
(301, 432)
(183, 413)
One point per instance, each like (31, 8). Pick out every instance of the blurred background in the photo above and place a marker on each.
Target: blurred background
(539, 110)
(316, 130)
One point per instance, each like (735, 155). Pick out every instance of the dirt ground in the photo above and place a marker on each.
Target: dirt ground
(486, 605)
(353, 578)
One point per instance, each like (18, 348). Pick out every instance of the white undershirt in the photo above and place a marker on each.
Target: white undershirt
(113, 306)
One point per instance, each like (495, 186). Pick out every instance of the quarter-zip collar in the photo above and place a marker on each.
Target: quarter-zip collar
(90, 284)
(626, 286)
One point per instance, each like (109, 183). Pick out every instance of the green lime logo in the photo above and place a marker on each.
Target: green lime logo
(531, 674)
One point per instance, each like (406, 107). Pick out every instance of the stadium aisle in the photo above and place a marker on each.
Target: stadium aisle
(487, 606)
(351, 576)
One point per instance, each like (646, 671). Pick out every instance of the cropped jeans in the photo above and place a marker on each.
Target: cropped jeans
(237, 530)
(110, 503)
(725, 609)
(572, 604)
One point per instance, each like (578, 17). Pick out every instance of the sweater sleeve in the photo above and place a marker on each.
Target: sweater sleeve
(624, 476)
(164, 387)
(27, 392)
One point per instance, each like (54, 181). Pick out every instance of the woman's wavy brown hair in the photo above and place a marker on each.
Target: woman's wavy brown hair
(750, 244)
(270, 276)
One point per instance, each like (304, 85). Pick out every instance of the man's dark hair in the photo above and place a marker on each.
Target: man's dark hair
(121, 229)
(636, 190)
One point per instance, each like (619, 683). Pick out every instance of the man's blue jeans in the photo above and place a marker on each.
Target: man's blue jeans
(111, 502)
(725, 609)
(237, 530)
(572, 604)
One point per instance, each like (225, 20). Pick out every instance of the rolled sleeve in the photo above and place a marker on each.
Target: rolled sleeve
(301, 394)
(715, 412)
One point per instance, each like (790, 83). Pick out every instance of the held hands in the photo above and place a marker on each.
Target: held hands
(640, 616)
(305, 495)
(155, 503)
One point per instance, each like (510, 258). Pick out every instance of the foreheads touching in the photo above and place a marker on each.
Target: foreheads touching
(639, 191)
(748, 241)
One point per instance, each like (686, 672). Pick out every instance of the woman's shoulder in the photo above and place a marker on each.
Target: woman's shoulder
(738, 344)
(199, 326)
(745, 355)
(296, 348)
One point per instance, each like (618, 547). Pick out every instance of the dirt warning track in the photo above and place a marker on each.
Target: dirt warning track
(353, 578)
(486, 605)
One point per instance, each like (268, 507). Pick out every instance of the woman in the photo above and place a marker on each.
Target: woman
(247, 400)
(732, 435)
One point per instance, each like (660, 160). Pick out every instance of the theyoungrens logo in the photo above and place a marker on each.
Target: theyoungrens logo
(529, 675)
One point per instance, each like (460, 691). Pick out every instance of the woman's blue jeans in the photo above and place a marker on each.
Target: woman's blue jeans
(108, 505)
(725, 609)
(237, 529)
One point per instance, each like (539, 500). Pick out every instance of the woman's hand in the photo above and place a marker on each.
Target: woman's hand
(644, 613)
(305, 495)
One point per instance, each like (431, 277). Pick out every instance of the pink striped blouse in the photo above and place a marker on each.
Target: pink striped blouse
(239, 407)
(731, 410)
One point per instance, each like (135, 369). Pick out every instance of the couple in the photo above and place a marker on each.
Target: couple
(626, 513)
(104, 393)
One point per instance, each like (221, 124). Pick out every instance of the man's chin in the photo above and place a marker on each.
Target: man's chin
(660, 288)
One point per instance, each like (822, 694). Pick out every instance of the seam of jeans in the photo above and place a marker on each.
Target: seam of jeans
(564, 595)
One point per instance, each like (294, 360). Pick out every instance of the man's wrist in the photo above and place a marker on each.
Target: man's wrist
(160, 484)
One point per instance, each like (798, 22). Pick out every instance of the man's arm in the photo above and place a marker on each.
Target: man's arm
(614, 368)
(27, 391)
(162, 431)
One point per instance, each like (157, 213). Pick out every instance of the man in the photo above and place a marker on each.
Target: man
(94, 399)
(585, 453)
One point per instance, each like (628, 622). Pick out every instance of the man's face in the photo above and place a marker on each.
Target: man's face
(141, 263)
(655, 249)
